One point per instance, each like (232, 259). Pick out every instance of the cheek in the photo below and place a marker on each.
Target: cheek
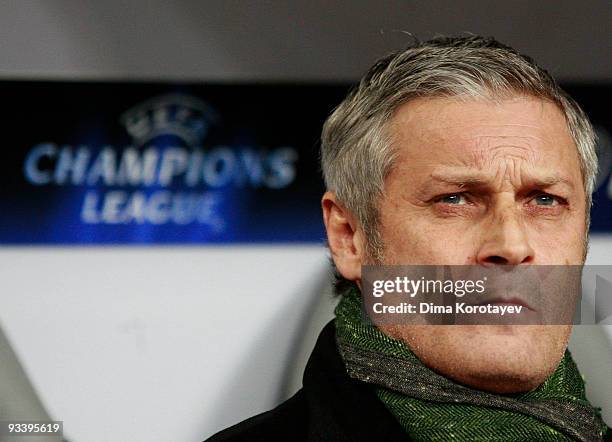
(415, 240)
(560, 246)
(559, 242)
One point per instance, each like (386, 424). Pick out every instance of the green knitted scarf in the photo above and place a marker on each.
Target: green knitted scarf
(431, 407)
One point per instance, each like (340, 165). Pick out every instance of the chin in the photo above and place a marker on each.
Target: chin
(500, 359)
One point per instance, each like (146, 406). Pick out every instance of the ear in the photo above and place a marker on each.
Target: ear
(346, 239)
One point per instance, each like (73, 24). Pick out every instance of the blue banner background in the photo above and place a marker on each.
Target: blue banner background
(155, 163)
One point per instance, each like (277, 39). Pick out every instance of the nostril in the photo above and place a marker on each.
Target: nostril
(496, 260)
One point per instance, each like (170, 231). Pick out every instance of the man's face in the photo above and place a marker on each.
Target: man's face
(478, 182)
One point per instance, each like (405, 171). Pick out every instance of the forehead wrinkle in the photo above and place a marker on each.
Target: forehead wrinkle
(496, 143)
(436, 134)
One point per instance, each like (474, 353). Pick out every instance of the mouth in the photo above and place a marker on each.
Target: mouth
(508, 302)
(522, 312)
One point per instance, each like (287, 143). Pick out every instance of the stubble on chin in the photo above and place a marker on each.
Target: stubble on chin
(500, 359)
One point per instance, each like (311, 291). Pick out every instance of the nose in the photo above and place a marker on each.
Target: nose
(505, 241)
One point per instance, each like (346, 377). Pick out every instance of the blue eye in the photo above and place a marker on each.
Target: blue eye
(545, 200)
(455, 198)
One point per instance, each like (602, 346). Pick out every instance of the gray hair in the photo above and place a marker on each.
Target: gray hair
(357, 151)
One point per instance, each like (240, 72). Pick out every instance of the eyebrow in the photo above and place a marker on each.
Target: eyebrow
(474, 179)
(460, 179)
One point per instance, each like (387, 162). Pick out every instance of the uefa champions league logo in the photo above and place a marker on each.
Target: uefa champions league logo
(167, 175)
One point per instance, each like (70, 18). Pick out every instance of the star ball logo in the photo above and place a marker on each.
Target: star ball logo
(166, 175)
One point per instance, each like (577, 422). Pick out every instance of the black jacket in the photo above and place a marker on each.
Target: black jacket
(330, 407)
